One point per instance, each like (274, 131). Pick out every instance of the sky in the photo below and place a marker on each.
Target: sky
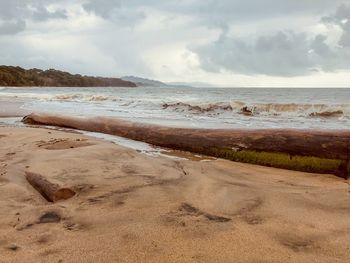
(228, 43)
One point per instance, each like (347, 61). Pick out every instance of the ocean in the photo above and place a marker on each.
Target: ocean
(195, 107)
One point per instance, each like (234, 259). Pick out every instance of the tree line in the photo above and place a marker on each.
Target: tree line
(18, 77)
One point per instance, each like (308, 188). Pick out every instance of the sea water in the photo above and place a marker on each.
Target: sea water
(195, 107)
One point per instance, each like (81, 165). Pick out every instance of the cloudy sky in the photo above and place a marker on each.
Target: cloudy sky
(221, 42)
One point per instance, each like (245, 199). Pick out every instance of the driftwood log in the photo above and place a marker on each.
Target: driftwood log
(320, 151)
(50, 191)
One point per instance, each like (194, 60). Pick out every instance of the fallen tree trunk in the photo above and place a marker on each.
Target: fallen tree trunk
(50, 191)
(302, 150)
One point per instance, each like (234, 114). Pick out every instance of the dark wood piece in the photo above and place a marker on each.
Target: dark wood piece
(328, 144)
(50, 191)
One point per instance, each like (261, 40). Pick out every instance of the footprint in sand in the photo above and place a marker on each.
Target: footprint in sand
(50, 217)
(297, 243)
(63, 144)
(3, 181)
(44, 239)
(186, 210)
(12, 247)
(75, 226)
(189, 210)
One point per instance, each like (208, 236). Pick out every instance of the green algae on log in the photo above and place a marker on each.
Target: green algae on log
(282, 160)
(301, 150)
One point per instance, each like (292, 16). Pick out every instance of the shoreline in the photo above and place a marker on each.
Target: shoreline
(292, 149)
(132, 207)
(217, 109)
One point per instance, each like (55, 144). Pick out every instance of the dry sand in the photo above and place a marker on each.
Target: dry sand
(131, 207)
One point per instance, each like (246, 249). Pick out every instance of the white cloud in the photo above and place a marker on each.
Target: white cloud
(230, 42)
(284, 53)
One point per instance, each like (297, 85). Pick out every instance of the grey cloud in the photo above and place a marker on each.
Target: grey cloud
(211, 13)
(227, 8)
(342, 12)
(320, 47)
(104, 8)
(10, 9)
(328, 58)
(345, 39)
(341, 18)
(12, 27)
(285, 53)
(115, 10)
(15, 13)
(281, 54)
(42, 14)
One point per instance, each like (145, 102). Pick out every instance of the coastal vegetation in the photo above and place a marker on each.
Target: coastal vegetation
(283, 160)
(19, 77)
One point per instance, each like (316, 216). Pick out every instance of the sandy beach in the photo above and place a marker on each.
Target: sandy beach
(131, 207)
(175, 131)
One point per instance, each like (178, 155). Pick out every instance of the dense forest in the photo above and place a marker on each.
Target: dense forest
(19, 77)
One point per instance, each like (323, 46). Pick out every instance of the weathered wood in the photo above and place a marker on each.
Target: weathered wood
(330, 148)
(50, 191)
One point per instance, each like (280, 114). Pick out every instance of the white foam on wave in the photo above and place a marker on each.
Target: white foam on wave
(82, 98)
(208, 108)
(26, 95)
(59, 97)
(268, 109)
(223, 108)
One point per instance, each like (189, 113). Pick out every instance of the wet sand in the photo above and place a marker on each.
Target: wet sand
(131, 207)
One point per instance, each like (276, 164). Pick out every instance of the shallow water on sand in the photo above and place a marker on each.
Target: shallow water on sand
(195, 107)
(138, 146)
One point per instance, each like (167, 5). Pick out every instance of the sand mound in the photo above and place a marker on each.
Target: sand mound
(62, 144)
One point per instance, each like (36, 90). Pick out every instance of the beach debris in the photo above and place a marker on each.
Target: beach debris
(315, 151)
(246, 111)
(13, 247)
(50, 191)
(188, 209)
(49, 217)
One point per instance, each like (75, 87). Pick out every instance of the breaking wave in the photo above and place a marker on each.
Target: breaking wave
(78, 97)
(310, 110)
(200, 108)
(60, 97)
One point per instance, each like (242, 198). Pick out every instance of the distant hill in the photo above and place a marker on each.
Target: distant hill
(142, 82)
(190, 84)
(19, 77)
